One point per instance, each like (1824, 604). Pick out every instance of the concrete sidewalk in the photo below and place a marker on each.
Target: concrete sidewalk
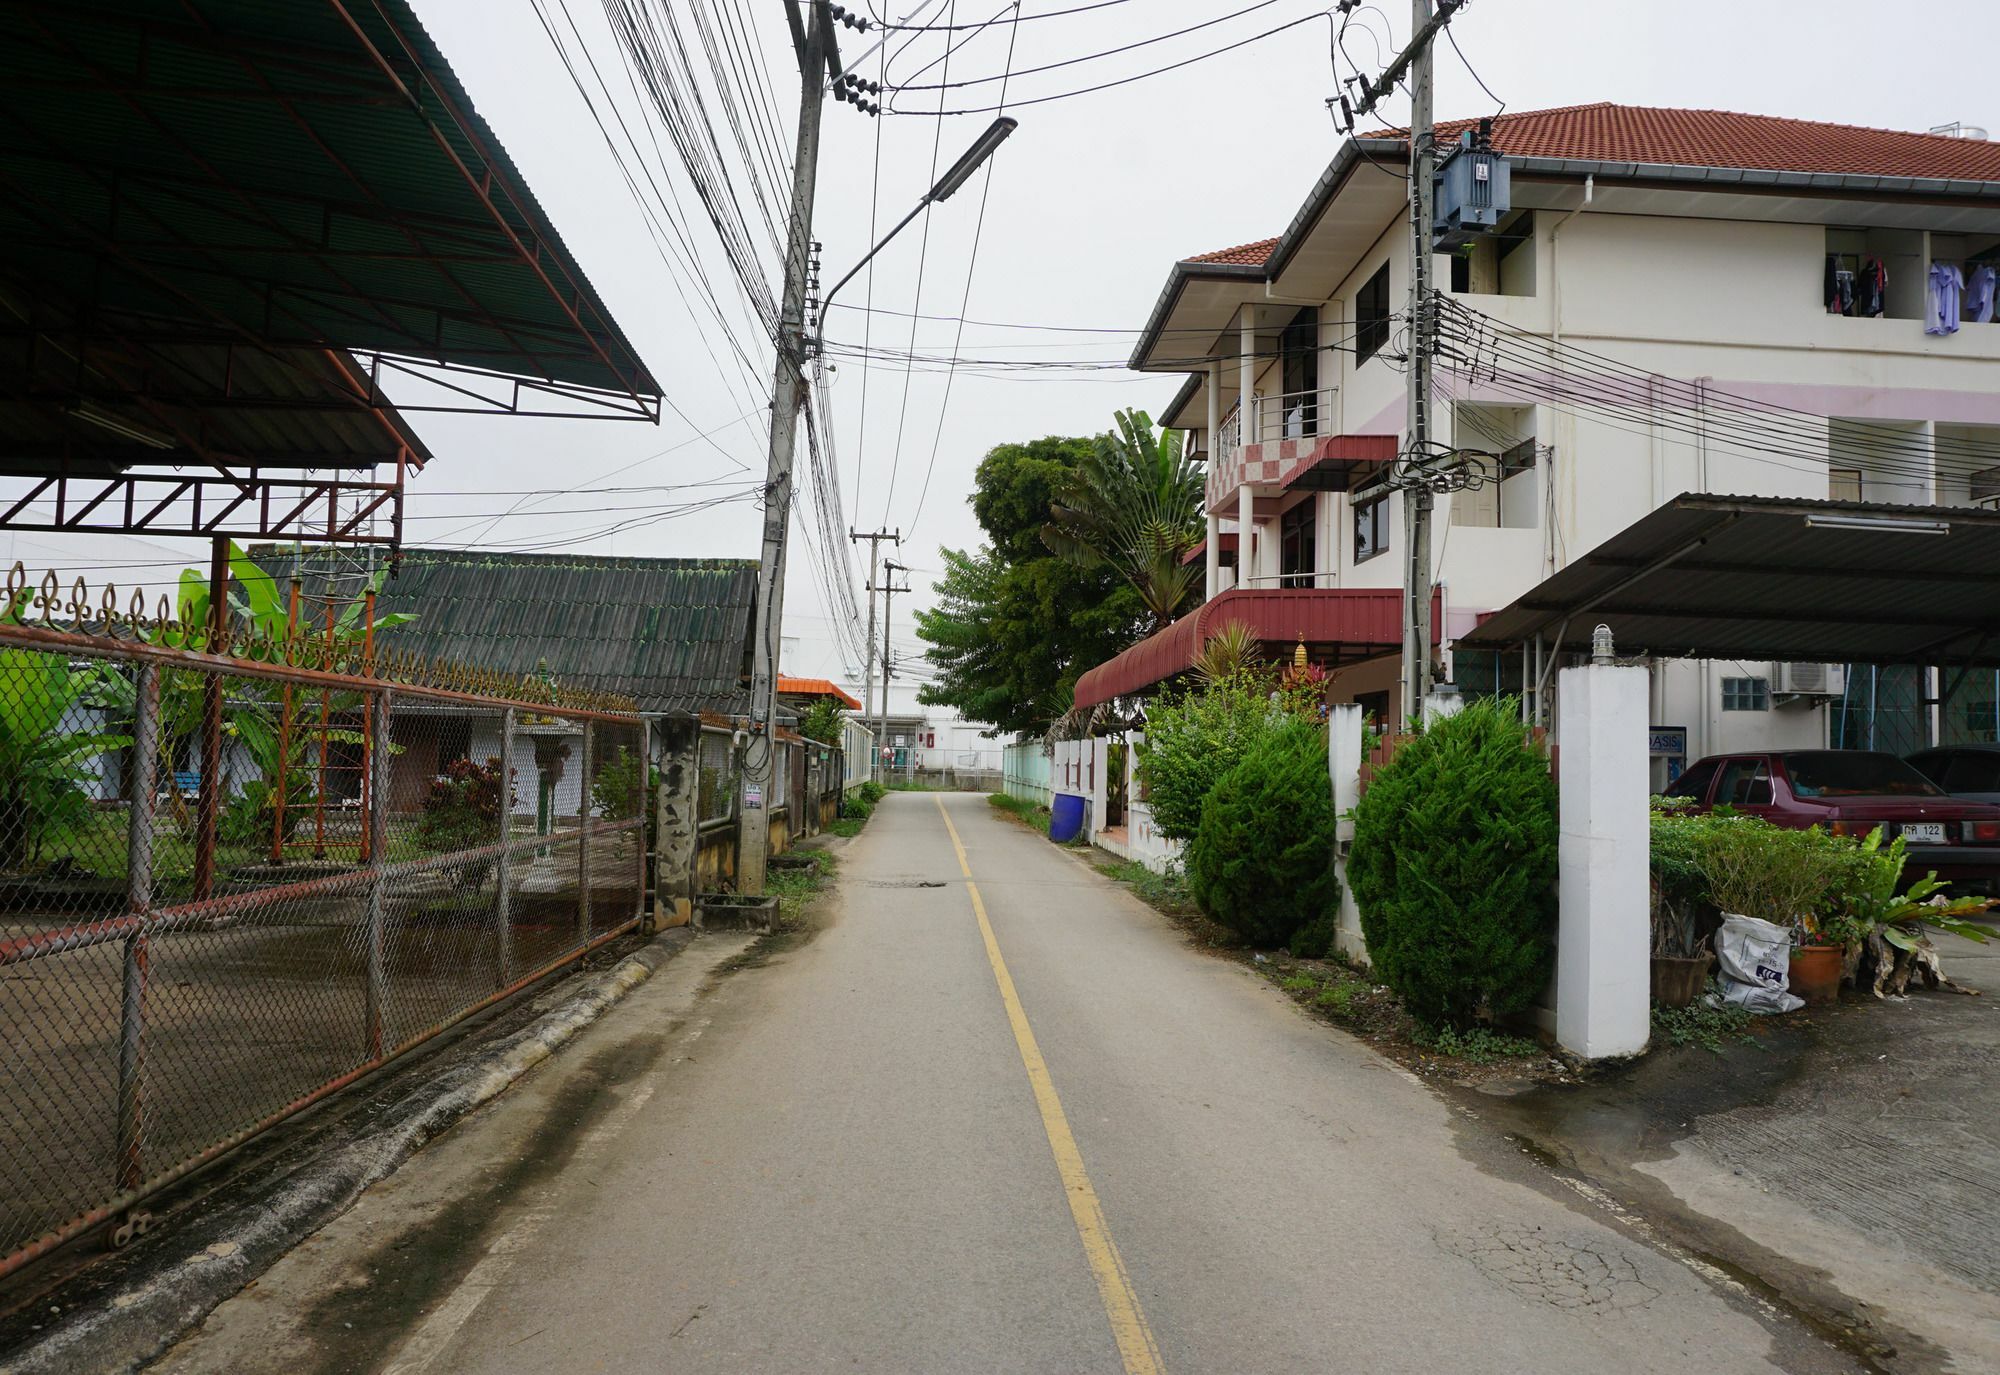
(1015, 1124)
(1848, 1157)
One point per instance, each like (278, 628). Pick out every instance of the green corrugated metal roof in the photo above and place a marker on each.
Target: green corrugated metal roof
(291, 172)
(673, 634)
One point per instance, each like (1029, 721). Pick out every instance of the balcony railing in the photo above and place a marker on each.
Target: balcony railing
(1293, 415)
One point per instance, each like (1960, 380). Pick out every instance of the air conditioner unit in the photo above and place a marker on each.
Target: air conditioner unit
(1811, 680)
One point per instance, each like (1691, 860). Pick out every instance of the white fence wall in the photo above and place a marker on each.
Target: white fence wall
(1026, 772)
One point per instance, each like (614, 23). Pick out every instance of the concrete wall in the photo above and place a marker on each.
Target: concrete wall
(1027, 769)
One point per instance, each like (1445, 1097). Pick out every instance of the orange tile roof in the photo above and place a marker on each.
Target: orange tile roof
(816, 687)
(1605, 132)
(1243, 255)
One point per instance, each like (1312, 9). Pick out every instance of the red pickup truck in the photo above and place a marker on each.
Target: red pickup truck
(1851, 792)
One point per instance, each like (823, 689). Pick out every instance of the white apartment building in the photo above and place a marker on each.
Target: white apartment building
(1651, 317)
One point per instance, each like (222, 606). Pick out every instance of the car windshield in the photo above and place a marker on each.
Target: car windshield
(1855, 773)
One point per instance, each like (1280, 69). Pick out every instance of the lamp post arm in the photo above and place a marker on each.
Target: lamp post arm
(826, 304)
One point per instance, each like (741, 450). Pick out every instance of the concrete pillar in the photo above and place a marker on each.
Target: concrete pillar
(1212, 565)
(1439, 705)
(1246, 537)
(1246, 372)
(677, 832)
(1346, 733)
(1603, 958)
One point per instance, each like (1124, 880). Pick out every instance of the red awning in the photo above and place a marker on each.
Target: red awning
(1337, 461)
(1338, 625)
(1226, 543)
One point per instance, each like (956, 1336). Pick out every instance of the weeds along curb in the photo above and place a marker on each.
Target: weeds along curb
(146, 1312)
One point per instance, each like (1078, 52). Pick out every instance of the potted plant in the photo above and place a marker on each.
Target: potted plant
(1778, 876)
(1680, 906)
(1877, 922)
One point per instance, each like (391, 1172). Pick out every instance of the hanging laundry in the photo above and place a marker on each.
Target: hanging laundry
(1839, 287)
(1979, 294)
(1941, 298)
(1871, 289)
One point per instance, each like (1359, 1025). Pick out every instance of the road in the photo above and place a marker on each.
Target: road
(997, 1116)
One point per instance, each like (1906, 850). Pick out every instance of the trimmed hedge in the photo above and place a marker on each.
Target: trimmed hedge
(1261, 862)
(1454, 868)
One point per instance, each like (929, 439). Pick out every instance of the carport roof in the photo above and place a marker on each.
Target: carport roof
(1786, 579)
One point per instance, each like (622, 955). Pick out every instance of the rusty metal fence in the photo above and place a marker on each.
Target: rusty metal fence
(233, 882)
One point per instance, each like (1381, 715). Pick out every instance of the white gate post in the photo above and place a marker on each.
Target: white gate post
(1603, 957)
(1346, 734)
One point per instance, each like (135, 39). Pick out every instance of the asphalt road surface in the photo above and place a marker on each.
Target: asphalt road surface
(997, 1116)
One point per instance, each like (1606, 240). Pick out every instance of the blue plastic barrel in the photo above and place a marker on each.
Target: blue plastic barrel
(1065, 817)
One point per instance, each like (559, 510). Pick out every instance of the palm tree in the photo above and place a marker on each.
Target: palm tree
(1135, 503)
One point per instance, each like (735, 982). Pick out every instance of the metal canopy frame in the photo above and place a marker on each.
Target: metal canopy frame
(227, 224)
(1780, 579)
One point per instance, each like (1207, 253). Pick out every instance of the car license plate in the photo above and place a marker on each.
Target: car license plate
(1924, 832)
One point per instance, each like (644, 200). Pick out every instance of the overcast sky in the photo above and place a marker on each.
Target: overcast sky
(1090, 203)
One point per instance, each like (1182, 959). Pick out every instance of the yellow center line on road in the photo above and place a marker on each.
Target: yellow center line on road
(1136, 1346)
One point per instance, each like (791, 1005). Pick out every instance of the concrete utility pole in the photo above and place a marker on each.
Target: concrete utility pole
(818, 59)
(891, 568)
(1420, 500)
(874, 548)
(1419, 478)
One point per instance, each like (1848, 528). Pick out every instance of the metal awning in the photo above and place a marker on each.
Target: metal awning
(1784, 579)
(225, 225)
(1334, 463)
(1337, 626)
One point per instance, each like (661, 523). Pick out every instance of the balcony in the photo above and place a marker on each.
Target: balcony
(1284, 432)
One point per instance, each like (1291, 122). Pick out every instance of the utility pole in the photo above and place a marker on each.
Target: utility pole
(818, 60)
(1419, 479)
(874, 548)
(891, 568)
(1419, 499)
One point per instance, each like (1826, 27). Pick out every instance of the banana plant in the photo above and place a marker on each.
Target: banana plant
(1876, 902)
(45, 755)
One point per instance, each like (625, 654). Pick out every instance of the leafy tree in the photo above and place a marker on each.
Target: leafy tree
(822, 722)
(1262, 859)
(1134, 504)
(1454, 867)
(1014, 625)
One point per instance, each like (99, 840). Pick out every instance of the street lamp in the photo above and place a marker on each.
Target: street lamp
(955, 176)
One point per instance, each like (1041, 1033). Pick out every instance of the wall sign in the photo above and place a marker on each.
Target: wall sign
(1667, 742)
(753, 795)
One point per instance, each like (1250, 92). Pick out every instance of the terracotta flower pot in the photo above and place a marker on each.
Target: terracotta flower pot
(1678, 981)
(1815, 974)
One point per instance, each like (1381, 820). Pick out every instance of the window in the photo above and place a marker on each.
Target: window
(1973, 771)
(1746, 694)
(1298, 544)
(1371, 526)
(1745, 783)
(1854, 773)
(1843, 484)
(1371, 317)
(1694, 783)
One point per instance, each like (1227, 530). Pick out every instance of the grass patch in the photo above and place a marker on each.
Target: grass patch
(1481, 1045)
(1701, 1025)
(1031, 814)
(1299, 983)
(847, 827)
(796, 889)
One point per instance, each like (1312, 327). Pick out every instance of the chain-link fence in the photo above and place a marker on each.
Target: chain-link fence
(229, 887)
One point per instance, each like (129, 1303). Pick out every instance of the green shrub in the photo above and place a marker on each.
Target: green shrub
(1314, 940)
(1454, 866)
(872, 792)
(1193, 740)
(1261, 862)
(855, 807)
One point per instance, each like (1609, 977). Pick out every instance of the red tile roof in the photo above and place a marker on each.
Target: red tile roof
(1719, 138)
(815, 687)
(1243, 255)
